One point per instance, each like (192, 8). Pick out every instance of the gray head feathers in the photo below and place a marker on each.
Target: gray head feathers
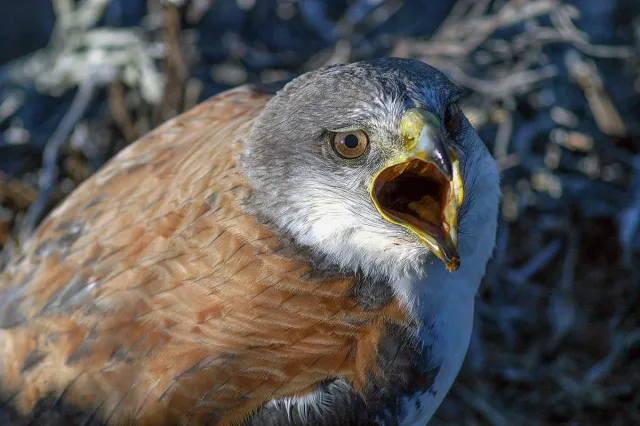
(322, 201)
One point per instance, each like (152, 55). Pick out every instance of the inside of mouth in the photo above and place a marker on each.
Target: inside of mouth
(414, 195)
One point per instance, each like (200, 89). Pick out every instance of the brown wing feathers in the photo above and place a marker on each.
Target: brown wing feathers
(149, 295)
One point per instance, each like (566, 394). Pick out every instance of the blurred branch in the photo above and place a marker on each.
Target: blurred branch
(175, 68)
(49, 176)
(585, 73)
(76, 50)
(467, 27)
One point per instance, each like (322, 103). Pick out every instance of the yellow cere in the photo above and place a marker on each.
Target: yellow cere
(410, 127)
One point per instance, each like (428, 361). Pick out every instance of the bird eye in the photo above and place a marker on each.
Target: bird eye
(350, 144)
(452, 117)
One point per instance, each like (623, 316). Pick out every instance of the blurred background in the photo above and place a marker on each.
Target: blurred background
(552, 86)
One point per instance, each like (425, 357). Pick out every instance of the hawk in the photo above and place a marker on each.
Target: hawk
(304, 257)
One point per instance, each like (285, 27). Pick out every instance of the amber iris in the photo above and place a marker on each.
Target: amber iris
(349, 145)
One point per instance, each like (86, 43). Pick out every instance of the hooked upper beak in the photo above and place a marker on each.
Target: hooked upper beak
(421, 189)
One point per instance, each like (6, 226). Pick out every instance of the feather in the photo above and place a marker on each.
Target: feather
(151, 296)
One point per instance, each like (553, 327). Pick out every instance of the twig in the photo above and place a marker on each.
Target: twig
(585, 73)
(175, 68)
(542, 259)
(119, 112)
(50, 172)
(10, 105)
(621, 342)
(510, 85)
(505, 129)
(561, 19)
(562, 306)
(482, 406)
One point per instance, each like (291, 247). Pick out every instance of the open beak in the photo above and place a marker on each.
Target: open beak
(422, 189)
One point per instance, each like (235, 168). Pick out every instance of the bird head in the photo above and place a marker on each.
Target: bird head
(374, 167)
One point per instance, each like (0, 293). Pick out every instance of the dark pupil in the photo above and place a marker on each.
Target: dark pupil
(351, 141)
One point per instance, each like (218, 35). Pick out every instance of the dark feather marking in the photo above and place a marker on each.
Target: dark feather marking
(33, 358)
(187, 225)
(392, 360)
(119, 356)
(164, 259)
(198, 195)
(115, 407)
(214, 418)
(49, 411)
(196, 234)
(149, 279)
(149, 353)
(84, 348)
(214, 389)
(214, 270)
(97, 200)
(154, 201)
(167, 290)
(144, 314)
(110, 254)
(143, 402)
(42, 250)
(372, 293)
(67, 296)
(200, 365)
(265, 289)
(289, 249)
(213, 201)
(195, 259)
(240, 270)
(61, 395)
(123, 354)
(85, 247)
(11, 302)
(53, 337)
(90, 261)
(322, 275)
(127, 228)
(236, 251)
(407, 369)
(108, 280)
(275, 391)
(246, 394)
(6, 401)
(92, 415)
(64, 225)
(216, 238)
(286, 300)
(70, 236)
(10, 313)
(224, 357)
